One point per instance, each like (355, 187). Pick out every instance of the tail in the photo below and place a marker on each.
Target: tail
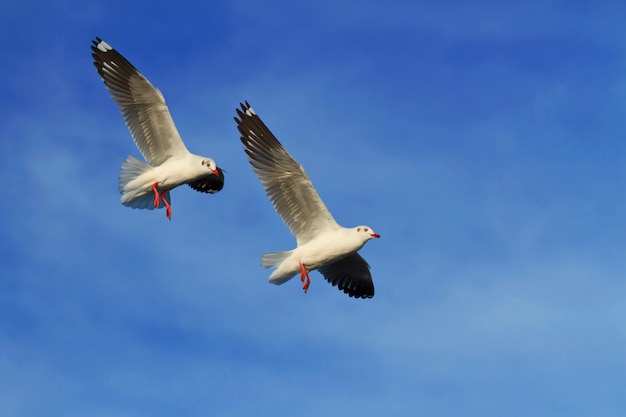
(136, 194)
(275, 260)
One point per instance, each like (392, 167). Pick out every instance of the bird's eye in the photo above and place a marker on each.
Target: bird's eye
(365, 229)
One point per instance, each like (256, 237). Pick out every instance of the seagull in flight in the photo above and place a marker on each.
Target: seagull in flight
(169, 163)
(322, 244)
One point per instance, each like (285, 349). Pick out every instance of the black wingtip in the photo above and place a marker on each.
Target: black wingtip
(95, 43)
(245, 106)
(242, 113)
(359, 292)
(353, 288)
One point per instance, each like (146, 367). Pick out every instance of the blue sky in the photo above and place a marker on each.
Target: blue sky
(484, 141)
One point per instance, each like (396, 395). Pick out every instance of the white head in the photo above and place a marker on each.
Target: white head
(366, 233)
(210, 165)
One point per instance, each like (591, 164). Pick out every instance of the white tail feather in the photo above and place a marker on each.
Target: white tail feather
(131, 168)
(277, 260)
(136, 194)
(273, 259)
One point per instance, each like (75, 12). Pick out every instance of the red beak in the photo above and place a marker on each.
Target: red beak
(215, 172)
(375, 235)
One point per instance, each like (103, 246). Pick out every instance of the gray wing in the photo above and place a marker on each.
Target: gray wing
(142, 105)
(351, 275)
(286, 183)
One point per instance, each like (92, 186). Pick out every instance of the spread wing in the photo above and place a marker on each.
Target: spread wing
(286, 183)
(351, 275)
(142, 105)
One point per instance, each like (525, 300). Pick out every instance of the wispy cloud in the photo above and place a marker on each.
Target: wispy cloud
(483, 142)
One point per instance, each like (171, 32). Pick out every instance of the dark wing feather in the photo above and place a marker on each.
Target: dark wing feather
(351, 275)
(142, 105)
(209, 184)
(286, 183)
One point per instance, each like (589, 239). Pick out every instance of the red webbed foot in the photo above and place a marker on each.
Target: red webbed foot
(161, 196)
(304, 277)
(168, 207)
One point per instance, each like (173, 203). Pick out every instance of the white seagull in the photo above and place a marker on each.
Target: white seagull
(322, 244)
(170, 164)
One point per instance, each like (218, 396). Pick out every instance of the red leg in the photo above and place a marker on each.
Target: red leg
(168, 208)
(156, 194)
(304, 277)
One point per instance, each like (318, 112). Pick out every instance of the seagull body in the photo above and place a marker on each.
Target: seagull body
(322, 243)
(327, 248)
(169, 163)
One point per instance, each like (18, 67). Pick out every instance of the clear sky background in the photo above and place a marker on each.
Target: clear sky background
(485, 141)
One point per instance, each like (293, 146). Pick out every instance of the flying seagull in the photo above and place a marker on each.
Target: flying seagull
(169, 163)
(322, 244)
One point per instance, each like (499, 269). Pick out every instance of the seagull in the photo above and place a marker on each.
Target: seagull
(169, 163)
(322, 244)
